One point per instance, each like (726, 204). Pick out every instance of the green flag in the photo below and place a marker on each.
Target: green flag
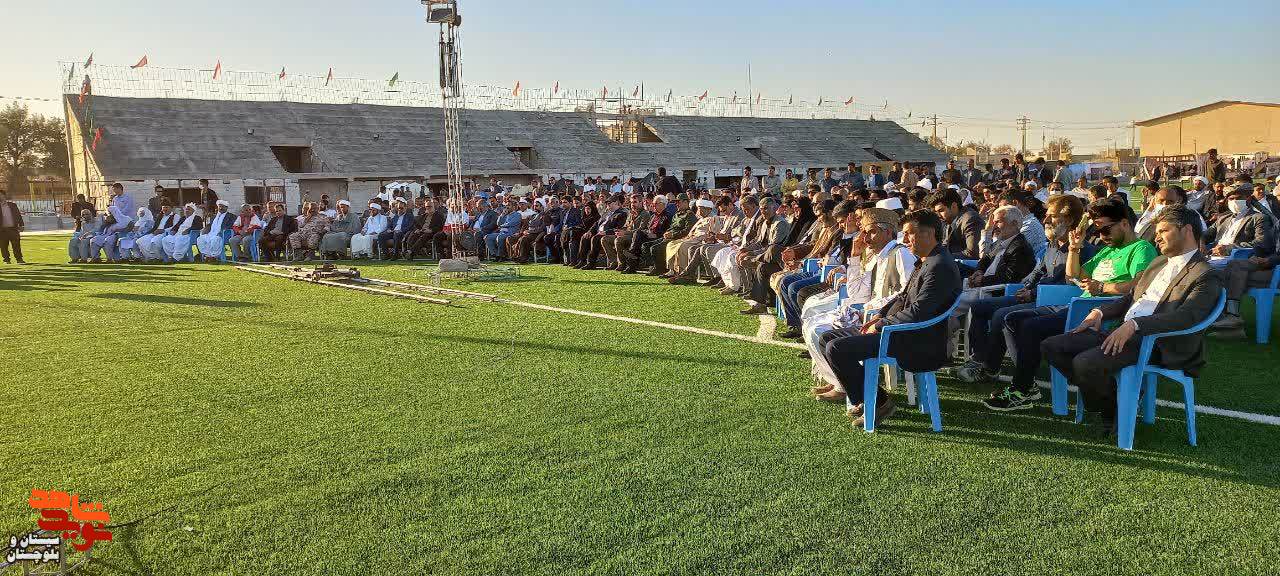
(394, 79)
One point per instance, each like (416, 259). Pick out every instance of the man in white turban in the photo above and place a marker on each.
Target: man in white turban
(142, 225)
(375, 223)
(212, 242)
(177, 244)
(148, 243)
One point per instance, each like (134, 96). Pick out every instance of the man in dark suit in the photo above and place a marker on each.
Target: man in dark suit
(963, 234)
(276, 235)
(11, 226)
(1177, 291)
(971, 176)
(1011, 258)
(932, 289)
(1243, 226)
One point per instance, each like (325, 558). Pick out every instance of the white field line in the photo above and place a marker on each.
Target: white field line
(1200, 408)
(765, 337)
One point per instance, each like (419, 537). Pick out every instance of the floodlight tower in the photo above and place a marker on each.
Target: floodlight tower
(445, 13)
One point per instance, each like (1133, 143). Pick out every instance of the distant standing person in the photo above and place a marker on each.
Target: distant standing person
(1214, 168)
(10, 229)
(208, 197)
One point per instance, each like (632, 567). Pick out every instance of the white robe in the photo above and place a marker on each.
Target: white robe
(129, 243)
(725, 261)
(211, 244)
(178, 246)
(362, 243)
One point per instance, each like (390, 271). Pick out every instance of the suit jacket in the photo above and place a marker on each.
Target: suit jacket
(932, 289)
(290, 224)
(1188, 301)
(12, 208)
(964, 235)
(1017, 261)
(1254, 233)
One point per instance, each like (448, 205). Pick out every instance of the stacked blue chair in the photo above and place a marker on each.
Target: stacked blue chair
(1141, 379)
(226, 237)
(190, 255)
(808, 265)
(254, 251)
(1263, 299)
(925, 382)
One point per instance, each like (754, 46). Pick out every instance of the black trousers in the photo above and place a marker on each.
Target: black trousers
(761, 291)
(10, 237)
(1079, 357)
(656, 251)
(845, 349)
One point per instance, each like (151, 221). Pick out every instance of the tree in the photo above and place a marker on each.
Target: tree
(1057, 148)
(29, 144)
(1004, 150)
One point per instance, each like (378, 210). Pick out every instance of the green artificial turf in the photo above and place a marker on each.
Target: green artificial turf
(248, 425)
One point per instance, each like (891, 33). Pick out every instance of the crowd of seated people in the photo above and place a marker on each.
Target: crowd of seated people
(839, 257)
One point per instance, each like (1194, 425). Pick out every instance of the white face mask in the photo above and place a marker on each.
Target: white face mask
(1237, 206)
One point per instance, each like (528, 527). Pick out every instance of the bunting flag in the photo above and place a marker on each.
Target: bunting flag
(282, 74)
(556, 90)
(849, 101)
(635, 93)
(97, 137)
(703, 96)
(72, 74)
(141, 63)
(395, 78)
(217, 70)
(515, 92)
(329, 78)
(89, 62)
(85, 89)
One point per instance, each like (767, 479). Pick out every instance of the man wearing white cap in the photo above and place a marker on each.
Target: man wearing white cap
(149, 243)
(375, 223)
(1198, 194)
(177, 245)
(210, 243)
(1033, 188)
(706, 223)
(142, 225)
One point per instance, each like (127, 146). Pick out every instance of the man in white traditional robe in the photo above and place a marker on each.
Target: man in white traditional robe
(177, 244)
(212, 243)
(148, 244)
(129, 249)
(362, 244)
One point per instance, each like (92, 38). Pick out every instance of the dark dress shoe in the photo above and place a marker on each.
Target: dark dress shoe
(804, 354)
(754, 310)
(792, 333)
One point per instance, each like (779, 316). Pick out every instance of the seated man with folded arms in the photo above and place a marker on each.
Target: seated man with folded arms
(509, 223)
(1110, 272)
(315, 225)
(1239, 276)
(756, 265)
(149, 244)
(177, 243)
(1177, 291)
(605, 230)
(334, 243)
(210, 243)
(275, 237)
(1243, 226)
(880, 267)
(638, 218)
(375, 223)
(429, 221)
(985, 334)
(631, 252)
(930, 291)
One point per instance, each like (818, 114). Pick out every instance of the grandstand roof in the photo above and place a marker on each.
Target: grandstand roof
(146, 138)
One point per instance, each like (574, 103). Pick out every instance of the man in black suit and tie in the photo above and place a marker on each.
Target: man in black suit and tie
(1177, 291)
(932, 289)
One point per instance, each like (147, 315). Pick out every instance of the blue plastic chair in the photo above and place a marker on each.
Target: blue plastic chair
(926, 382)
(1056, 294)
(1141, 379)
(1263, 299)
(253, 246)
(226, 237)
(191, 252)
(808, 265)
(1011, 289)
(969, 263)
(1241, 253)
(1077, 309)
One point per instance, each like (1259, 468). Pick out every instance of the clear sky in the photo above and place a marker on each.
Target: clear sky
(1079, 69)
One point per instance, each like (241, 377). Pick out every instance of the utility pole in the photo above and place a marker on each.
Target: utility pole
(935, 142)
(1022, 127)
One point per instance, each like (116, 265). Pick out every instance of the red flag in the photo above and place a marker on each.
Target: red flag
(282, 74)
(516, 91)
(97, 137)
(635, 92)
(703, 96)
(89, 62)
(85, 89)
(217, 70)
(141, 63)
(556, 90)
(329, 78)
(849, 101)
